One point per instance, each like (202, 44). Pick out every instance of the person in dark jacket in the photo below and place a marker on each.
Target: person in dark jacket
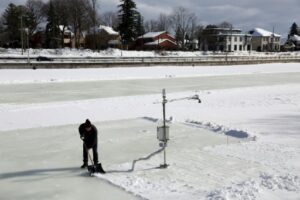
(89, 134)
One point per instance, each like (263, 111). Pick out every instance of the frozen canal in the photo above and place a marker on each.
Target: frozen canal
(68, 91)
(41, 150)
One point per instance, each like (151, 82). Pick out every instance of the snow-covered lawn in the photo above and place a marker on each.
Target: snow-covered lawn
(241, 142)
(67, 53)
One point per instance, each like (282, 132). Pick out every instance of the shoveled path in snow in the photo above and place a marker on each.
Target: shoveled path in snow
(43, 163)
(48, 92)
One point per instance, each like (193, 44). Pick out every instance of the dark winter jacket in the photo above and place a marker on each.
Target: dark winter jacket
(89, 137)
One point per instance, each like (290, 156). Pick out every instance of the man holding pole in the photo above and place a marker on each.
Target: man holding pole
(89, 135)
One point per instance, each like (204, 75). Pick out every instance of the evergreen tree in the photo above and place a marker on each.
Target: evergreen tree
(294, 30)
(17, 19)
(139, 24)
(12, 23)
(127, 18)
(52, 29)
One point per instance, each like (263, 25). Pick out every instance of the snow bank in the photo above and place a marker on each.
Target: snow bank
(67, 52)
(221, 129)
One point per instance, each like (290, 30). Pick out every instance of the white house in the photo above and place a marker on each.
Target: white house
(68, 36)
(263, 40)
(225, 39)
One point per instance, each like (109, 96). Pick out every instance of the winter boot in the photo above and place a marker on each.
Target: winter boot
(99, 168)
(84, 165)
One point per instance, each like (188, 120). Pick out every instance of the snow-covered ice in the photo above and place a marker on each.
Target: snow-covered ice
(241, 142)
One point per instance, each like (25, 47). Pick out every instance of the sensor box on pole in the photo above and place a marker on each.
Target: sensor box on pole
(163, 133)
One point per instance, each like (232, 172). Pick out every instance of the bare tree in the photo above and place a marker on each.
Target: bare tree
(182, 21)
(80, 17)
(225, 24)
(151, 26)
(37, 8)
(63, 16)
(192, 29)
(163, 23)
(109, 19)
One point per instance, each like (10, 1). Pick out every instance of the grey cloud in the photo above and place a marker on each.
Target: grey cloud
(244, 14)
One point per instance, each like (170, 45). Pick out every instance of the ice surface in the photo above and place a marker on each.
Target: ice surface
(41, 152)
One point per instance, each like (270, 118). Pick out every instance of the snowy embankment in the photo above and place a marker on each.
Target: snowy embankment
(265, 168)
(67, 53)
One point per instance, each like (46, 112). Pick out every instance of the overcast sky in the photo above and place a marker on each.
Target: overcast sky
(244, 14)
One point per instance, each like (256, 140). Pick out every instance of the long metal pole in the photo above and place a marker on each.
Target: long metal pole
(22, 33)
(164, 122)
(28, 46)
(94, 23)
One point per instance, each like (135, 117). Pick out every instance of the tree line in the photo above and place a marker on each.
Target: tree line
(19, 21)
(82, 16)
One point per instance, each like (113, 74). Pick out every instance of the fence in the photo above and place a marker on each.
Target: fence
(73, 62)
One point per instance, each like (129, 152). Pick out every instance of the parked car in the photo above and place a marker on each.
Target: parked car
(43, 58)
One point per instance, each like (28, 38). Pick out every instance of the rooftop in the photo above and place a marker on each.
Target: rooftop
(108, 29)
(152, 34)
(259, 32)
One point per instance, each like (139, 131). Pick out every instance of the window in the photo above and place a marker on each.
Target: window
(229, 48)
(241, 48)
(221, 48)
(235, 47)
(241, 39)
(235, 39)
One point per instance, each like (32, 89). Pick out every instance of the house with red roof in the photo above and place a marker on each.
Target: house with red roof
(155, 41)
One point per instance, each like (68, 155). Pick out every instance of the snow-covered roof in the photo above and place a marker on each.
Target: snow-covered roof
(66, 30)
(259, 32)
(159, 42)
(40, 27)
(108, 29)
(295, 38)
(152, 34)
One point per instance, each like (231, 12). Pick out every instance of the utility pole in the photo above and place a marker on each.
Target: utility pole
(27, 31)
(94, 23)
(231, 37)
(272, 39)
(22, 34)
